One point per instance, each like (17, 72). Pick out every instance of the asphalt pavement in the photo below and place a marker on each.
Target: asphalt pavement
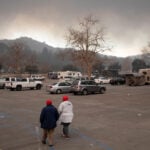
(116, 120)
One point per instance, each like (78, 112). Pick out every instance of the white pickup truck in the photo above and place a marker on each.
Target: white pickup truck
(24, 83)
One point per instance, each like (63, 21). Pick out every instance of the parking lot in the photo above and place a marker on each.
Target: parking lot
(116, 120)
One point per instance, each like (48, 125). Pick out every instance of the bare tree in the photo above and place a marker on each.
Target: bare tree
(32, 58)
(86, 42)
(16, 57)
(126, 65)
(146, 54)
(146, 50)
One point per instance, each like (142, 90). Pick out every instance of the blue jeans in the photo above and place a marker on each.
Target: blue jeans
(65, 128)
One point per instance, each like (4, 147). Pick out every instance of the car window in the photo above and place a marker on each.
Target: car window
(7, 79)
(31, 80)
(75, 82)
(2, 79)
(18, 79)
(24, 80)
(12, 79)
(91, 83)
(84, 82)
(62, 84)
(67, 84)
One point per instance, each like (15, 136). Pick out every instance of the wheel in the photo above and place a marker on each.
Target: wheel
(59, 91)
(38, 87)
(74, 93)
(19, 88)
(102, 90)
(84, 92)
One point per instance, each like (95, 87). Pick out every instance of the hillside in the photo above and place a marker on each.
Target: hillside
(28, 42)
(56, 58)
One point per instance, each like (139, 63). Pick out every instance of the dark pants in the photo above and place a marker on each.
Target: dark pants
(65, 128)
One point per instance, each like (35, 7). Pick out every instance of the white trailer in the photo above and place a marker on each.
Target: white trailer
(69, 74)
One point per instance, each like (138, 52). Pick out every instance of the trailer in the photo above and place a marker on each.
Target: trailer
(146, 73)
(69, 74)
(140, 78)
(133, 79)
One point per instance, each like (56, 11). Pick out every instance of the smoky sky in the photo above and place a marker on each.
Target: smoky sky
(127, 21)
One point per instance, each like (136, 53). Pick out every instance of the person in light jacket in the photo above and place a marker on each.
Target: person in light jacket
(65, 110)
(48, 119)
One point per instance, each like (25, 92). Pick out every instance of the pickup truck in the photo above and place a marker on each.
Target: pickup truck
(24, 83)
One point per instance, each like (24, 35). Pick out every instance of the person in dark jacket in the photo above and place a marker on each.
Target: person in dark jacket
(48, 119)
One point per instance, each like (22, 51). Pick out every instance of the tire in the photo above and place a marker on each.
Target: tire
(58, 91)
(38, 87)
(74, 93)
(84, 92)
(102, 91)
(19, 88)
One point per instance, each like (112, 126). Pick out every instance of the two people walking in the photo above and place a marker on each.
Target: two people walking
(50, 115)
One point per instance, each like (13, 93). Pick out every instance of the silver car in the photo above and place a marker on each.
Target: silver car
(59, 87)
(85, 87)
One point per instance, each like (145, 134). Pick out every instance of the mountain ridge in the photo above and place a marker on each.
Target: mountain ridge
(31, 43)
(39, 46)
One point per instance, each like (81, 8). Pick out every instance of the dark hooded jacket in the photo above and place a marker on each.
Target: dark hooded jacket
(48, 117)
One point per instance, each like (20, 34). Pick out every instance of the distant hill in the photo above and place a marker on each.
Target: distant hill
(56, 57)
(28, 42)
(37, 46)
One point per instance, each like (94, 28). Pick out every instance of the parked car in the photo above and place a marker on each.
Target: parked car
(85, 87)
(2, 83)
(59, 87)
(102, 80)
(117, 81)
